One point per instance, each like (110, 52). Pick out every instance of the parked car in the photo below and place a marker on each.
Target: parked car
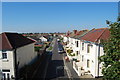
(60, 50)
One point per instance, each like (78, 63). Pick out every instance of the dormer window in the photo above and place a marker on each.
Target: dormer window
(4, 55)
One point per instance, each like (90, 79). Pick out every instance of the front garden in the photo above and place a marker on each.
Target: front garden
(70, 52)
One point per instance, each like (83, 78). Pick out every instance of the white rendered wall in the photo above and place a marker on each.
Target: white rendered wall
(43, 39)
(93, 57)
(25, 54)
(65, 39)
(7, 63)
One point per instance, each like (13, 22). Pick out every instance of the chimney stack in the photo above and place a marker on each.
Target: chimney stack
(74, 31)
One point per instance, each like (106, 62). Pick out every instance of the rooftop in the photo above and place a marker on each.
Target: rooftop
(13, 40)
(97, 34)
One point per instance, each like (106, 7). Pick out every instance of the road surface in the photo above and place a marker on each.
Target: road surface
(56, 65)
(52, 65)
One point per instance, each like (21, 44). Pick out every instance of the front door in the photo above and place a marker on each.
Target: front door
(6, 74)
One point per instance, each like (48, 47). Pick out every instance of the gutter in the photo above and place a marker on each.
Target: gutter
(98, 60)
(16, 64)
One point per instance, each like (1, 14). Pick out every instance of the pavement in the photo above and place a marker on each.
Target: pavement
(73, 74)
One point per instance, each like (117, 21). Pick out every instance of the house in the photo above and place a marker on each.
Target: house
(65, 37)
(16, 51)
(38, 42)
(89, 52)
(76, 42)
(43, 39)
(73, 43)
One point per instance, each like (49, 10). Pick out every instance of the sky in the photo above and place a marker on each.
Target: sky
(60, 0)
(0, 17)
(56, 16)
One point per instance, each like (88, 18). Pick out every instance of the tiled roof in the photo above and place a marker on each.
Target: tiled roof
(76, 34)
(97, 34)
(80, 34)
(13, 40)
(71, 34)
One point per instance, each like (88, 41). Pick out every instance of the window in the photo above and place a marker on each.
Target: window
(77, 43)
(6, 74)
(82, 46)
(5, 70)
(82, 58)
(77, 52)
(88, 63)
(88, 48)
(4, 55)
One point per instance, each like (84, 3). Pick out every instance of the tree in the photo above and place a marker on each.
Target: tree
(111, 58)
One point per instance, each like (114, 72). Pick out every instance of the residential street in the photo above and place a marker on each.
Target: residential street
(60, 40)
(52, 66)
(56, 65)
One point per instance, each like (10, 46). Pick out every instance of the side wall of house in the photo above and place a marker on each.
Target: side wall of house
(43, 39)
(101, 65)
(25, 54)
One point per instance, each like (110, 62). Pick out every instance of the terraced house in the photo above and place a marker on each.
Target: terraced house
(87, 48)
(16, 51)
